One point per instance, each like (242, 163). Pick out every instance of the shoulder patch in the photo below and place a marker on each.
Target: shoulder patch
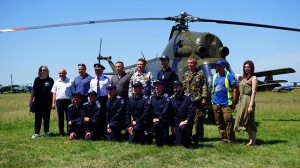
(172, 97)
(186, 94)
(119, 97)
(71, 105)
(146, 97)
(166, 95)
(86, 103)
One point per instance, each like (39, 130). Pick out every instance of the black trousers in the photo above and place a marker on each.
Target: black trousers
(160, 129)
(102, 115)
(62, 108)
(183, 134)
(42, 113)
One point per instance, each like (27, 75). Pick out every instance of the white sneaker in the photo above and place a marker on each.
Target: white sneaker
(35, 136)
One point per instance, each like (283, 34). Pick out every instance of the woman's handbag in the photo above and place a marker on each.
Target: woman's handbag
(32, 107)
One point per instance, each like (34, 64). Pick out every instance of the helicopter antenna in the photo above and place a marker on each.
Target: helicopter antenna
(99, 57)
(144, 56)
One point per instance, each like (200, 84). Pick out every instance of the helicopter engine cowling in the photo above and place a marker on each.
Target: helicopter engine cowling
(201, 51)
(224, 51)
(185, 51)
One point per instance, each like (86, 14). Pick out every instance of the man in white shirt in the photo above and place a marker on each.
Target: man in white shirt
(61, 97)
(99, 84)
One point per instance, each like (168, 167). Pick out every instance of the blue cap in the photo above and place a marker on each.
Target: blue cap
(220, 62)
(164, 57)
(92, 92)
(77, 94)
(111, 86)
(178, 83)
(137, 84)
(158, 82)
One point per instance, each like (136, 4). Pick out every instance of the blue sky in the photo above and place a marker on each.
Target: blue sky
(22, 52)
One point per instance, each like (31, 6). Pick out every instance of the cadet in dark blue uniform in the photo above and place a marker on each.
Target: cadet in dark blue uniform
(90, 115)
(159, 112)
(137, 114)
(74, 117)
(183, 112)
(167, 75)
(115, 114)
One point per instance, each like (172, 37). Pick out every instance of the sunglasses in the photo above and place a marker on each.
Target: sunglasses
(82, 65)
(43, 70)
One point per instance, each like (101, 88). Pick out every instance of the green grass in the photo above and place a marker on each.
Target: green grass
(277, 115)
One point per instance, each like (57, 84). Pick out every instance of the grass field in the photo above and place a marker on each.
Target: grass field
(278, 141)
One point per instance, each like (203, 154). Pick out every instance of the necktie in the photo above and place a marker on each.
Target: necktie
(98, 87)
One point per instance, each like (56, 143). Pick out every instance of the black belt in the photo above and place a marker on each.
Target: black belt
(63, 100)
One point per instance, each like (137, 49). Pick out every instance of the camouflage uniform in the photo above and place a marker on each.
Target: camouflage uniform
(146, 78)
(195, 84)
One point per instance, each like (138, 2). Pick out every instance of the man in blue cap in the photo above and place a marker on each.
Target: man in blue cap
(160, 117)
(137, 114)
(74, 117)
(183, 112)
(91, 110)
(224, 98)
(115, 114)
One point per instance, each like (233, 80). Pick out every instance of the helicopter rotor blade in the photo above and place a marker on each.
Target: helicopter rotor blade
(78, 23)
(195, 19)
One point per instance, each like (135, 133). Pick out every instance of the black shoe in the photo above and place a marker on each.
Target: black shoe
(88, 137)
(195, 139)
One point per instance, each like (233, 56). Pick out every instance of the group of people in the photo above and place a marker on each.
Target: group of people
(165, 109)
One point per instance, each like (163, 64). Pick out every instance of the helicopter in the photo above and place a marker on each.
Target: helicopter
(182, 43)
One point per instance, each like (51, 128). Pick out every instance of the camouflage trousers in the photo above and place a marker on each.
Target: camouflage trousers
(224, 121)
(199, 122)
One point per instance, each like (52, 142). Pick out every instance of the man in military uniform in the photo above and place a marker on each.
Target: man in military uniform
(224, 96)
(143, 76)
(115, 114)
(137, 114)
(183, 112)
(167, 75)
(159, 112)
(99, 84)
(74, 117)
(90, 116)
(194, 83)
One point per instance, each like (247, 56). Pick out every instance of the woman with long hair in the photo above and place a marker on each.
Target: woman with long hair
(245, 117)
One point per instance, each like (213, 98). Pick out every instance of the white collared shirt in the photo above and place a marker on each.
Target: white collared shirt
(103, 83)
(62, 89)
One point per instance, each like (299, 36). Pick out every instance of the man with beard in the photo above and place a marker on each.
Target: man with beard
(183, 112)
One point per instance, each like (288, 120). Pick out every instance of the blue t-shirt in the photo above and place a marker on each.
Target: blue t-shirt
(220, 92)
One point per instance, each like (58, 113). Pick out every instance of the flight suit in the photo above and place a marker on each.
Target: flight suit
(138, 110)
(74, 114)
(196, 85)
(182, 109)
(159, 109)
(115, 117)
(92, 111)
